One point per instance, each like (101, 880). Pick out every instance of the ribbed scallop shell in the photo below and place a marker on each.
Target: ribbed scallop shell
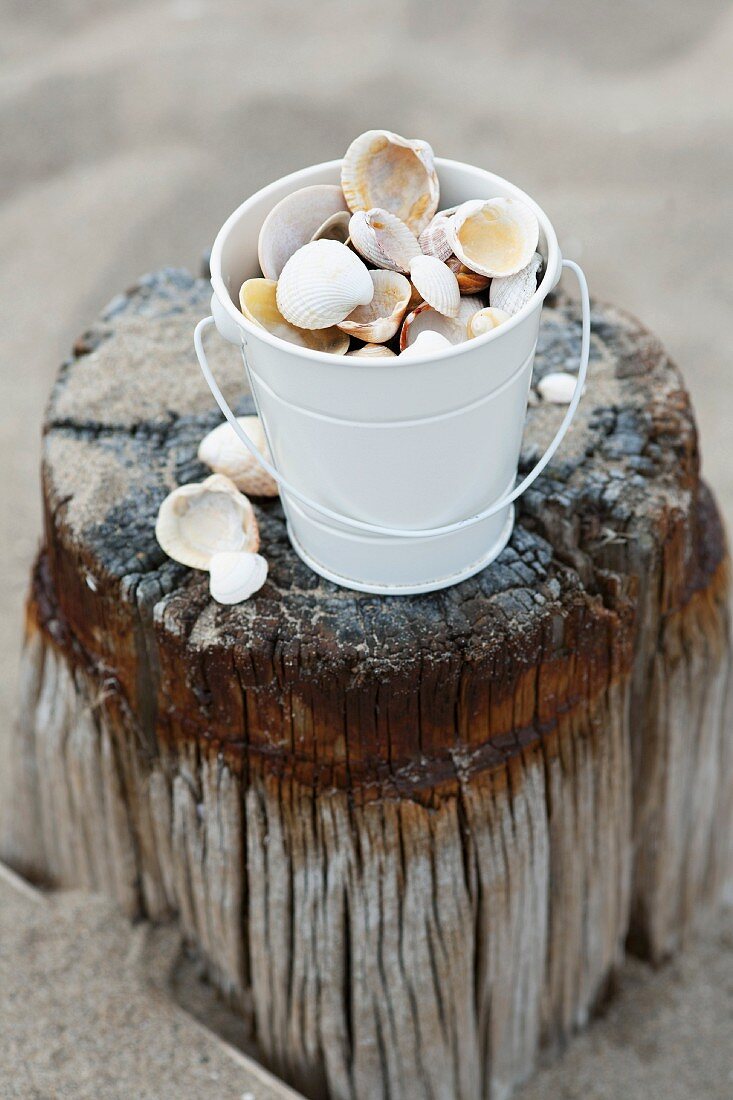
(383, 239)
(514, 291)
(494, 237)
(292, 222)
(425, 318)
(434, 238)
(321, 284)
(223, 452)
(258, 302)
(485, 321)
(393, 173)
(426, 343)
(199, 520)
(372, 351)
(379, 320)
(235, 575)
(436, 284)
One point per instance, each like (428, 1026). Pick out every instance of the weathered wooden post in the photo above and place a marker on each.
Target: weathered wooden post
(410, 837)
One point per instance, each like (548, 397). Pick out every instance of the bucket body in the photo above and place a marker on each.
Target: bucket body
(408, 445)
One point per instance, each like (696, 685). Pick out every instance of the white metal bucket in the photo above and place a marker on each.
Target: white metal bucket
(396, 476)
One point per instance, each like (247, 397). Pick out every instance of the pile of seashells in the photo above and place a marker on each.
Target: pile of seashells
(372, 268)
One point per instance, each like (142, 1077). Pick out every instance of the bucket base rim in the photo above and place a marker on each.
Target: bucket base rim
(407, 589)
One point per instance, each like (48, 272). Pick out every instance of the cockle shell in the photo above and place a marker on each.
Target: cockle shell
(434, 238)
(426, 343)
(436, 284)
(486, 320)
(494, 237)
(393, 173)
(379, 320)
(258, 302)
(454, 329)
(557, 388)
(321, 284)
(235, 575)
(223, 451)
(383, 240)
(292, 222)
(372, 351)
(335, 228)
(514, 291)
(469, 282)
(199, 520)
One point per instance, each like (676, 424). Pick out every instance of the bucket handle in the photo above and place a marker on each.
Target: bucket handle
(449, 528)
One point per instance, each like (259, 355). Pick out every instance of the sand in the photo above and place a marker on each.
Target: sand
(130, 128)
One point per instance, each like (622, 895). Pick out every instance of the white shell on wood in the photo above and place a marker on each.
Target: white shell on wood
(557, 388)
(199, 520)
(434, 238)
(235, 575)
(223, 451)
(335, 228)
(514, 291)
(426, 343)
(436, 284)
(454, 329)
(494, 237)
(383, 240)
(486, 320)
(321, 284)
(258, 303)
(379, 320)
(292, 222)
(372, 351)
(393, 173)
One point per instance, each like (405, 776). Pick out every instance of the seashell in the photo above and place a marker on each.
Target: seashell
(292, 222)
(321, 284)
(557, 388)
(379, 320)
(436, 283)
(494, 237)
(426, 343)
(258, 302)
(383, 240)
(235, 575)
(382, 169)
(469, 282)
(199, 520)
(486, 320)
(514, 291)
(335, 228)
(434, 238)
(223, 452)
(454, 329)
(372, 351)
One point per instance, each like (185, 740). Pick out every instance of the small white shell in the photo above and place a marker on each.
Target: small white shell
(436, 283)
(514, 291)
(292, 222)
(426, 343)
(223, 452)
(454, 329)
(393, 173)
(199, 520)
(383, 239)
(335, 228)
(372, 351)
(557, 388)
(258, 303)
(235, 575)
(321, 284)
(434, 238)
(379, 320)
(494, 237)
(486, 320)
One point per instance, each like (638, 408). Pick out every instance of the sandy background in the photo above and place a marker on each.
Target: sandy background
(130, 130)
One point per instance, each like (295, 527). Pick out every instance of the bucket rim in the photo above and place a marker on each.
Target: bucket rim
(222, 295)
